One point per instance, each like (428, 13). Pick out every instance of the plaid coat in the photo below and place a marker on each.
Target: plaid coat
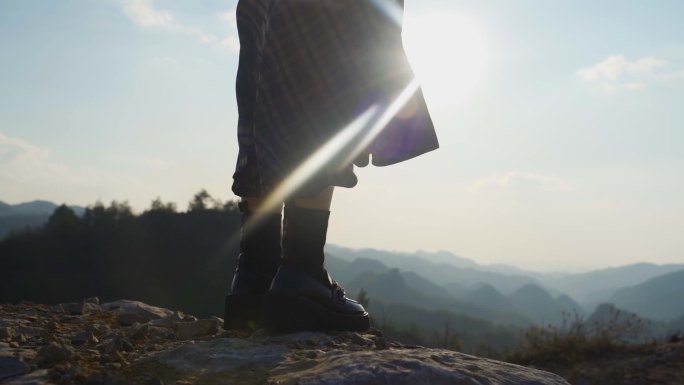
(308, 68)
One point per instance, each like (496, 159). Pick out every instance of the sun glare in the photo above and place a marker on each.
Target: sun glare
(448, 52)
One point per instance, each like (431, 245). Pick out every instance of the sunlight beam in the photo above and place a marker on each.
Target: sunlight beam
(359, 133)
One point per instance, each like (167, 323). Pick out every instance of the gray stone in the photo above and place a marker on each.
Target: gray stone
(297, 339)
(99, 329)
(6, 332)
(153, 380)
(53, 353)
(28, 354)
(91, 308)
(73, 308)
(115, 344)
(200, 328)
(289, 359)
(53, 326)
(84, 338)
(130, 312)
(156, 332)
(148, 331)
(220, 355)
(30, 331)
(140, 332)
(95, 378)
(169, 321)
(114, 379)
(38, 377)
(414, 366)
(92, 300)
(11, 366)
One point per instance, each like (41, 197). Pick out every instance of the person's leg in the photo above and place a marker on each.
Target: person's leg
(305, 230)
(302, 295)
(259, 259)
(321, 201)
(260, 243)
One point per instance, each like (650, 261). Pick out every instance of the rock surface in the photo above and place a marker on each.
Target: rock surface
(129, 342)
(346, 358)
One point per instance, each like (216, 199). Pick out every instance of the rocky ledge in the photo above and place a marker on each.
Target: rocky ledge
(130, 342)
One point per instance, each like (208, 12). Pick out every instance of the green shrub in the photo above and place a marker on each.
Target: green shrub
(577, 339)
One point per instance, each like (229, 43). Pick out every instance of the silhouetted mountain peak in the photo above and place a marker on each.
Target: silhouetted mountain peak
(486, 289)
(531, 292)
(659, 298)
(5, 209)
(444, 256)
(36, 207)
(367, 264)
(596, 286)
(423, 285)
(536, 302)
(568, 304)
(393, 277)
(487, 296)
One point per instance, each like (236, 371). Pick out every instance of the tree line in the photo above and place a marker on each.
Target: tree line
(179, 260)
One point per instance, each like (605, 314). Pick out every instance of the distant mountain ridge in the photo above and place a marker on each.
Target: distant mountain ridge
(596, 286)
(15, 217)
(392, 285)
(659, 298)
(538, 304)
(439, 273)
(541, 296)
(439, 257)
(36, 207)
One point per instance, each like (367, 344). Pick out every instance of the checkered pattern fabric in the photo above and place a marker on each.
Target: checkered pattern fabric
(307, 69)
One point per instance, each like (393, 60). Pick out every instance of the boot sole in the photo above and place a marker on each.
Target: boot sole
(242, 312)
(282, 313)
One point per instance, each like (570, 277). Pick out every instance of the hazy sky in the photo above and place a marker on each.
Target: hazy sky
(561, 123)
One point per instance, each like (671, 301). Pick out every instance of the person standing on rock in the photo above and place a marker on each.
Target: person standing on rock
(322, 86)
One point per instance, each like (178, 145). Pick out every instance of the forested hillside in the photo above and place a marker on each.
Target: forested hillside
(176, 259)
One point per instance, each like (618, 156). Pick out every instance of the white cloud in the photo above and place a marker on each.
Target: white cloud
(521, 182)
(676, 75)
(232, 43)
(617, 73)
(28, 171)
(228, 17)
(143, 13)
(18, 155)
(617, 67)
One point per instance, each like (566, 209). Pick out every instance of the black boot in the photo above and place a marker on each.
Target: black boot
(260, 257)
(302, 295)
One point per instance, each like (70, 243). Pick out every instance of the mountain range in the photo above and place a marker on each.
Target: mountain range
(26, 215)
(502, 294)
(658, 298)
(391, 285)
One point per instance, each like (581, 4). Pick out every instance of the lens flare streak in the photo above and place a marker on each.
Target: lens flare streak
(366, 127)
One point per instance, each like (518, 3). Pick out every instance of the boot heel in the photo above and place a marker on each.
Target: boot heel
(242, 311)
(287, 314)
